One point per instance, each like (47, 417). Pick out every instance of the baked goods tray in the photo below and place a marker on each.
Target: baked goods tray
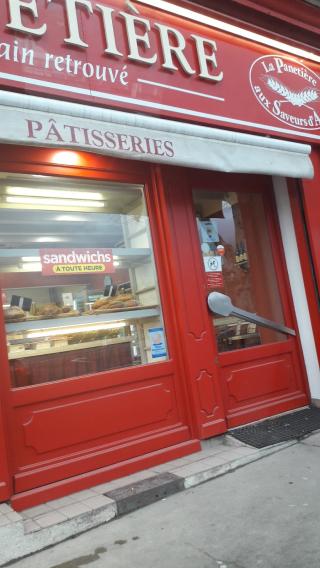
(38, 318)
(63, 349)
(116, 310)
(121, 314)
(58, 316)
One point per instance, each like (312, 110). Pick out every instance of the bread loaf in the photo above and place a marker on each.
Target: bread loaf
(14, 314)
(50, 310)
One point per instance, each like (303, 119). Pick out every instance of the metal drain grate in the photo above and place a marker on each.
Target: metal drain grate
(280, 429)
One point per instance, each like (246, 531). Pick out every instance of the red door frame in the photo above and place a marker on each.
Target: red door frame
(177, 441)
(6, 486)
(191, 312)
(200, 344)
(306, 235)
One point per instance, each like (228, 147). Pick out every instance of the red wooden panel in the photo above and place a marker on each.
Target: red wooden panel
(69, 485)
(261, 387)
(99, 456)
(5, 477)
(5, 461)
(77, 412)
(206, 394)
(194, 332)
(262, 379)
(92, 419)
(84, 384)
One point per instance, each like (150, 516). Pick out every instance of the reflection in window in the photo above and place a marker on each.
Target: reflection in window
(78, 281)
(238, 262)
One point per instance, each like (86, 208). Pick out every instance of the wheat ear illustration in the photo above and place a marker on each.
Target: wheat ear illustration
(296, 98)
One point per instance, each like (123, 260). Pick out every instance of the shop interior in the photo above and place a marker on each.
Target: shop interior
(74, 318)
(233, 232)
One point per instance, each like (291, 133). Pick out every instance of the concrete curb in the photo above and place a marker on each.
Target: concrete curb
(16, 541)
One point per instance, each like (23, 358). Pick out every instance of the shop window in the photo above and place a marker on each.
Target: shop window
(238, 262)
(78, 280)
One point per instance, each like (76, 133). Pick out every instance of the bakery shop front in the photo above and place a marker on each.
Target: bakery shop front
(148, 162)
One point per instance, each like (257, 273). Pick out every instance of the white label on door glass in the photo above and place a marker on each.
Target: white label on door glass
(212, 263)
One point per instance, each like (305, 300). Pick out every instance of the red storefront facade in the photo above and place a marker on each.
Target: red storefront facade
(149, 157)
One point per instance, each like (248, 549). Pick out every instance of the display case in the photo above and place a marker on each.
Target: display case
(91, 306)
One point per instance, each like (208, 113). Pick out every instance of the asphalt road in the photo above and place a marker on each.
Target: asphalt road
(265, 515)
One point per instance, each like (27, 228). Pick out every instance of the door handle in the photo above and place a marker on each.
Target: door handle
(221, 304)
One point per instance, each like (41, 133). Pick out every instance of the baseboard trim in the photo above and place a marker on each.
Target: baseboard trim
(65, 487)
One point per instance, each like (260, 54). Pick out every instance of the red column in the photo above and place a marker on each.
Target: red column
(311, 197)
(5, 477)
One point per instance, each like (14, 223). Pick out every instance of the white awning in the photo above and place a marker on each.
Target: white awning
(42, 122)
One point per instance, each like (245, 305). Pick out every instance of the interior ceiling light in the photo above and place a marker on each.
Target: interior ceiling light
(66, 158)
(61, 194)
(75, 329)
(71, 218)
(229, 28)
(31, 259)
(52, 202)
(48, 240)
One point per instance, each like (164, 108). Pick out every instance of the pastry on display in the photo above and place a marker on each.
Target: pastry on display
(49, 310)
(131, 303)
(69, 314)
(114, 302)
(14, 313)
(101, 302)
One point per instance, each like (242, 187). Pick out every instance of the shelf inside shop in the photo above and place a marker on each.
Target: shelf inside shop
(21, 354)
(137, 313)
(144, 290)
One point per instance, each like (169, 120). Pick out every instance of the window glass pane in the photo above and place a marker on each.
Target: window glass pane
(78, 280)
(238, 261)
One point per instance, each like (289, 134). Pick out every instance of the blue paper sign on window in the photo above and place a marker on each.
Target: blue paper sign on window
(157, 342)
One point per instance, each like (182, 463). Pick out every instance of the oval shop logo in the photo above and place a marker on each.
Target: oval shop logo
(288, 90)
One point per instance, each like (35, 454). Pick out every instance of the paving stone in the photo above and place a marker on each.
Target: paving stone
(4, 508)
(235, 453)
(63, 502)
(50, 519)
(123, 481)
(209, 453)
(98, 501)
(170, 465)
(144, 492)
(36, 511)
(313, 440)
(30, 526)
(13, 517)
(4, 521)
(82, 495)
(213, 443)
(198, 467)
(74, 510)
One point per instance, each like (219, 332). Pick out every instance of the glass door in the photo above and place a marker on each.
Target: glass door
(257, 351)
(238, 262)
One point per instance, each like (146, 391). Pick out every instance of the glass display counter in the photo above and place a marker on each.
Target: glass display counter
(88, 303)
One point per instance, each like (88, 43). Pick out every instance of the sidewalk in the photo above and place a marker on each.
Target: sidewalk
(37, 528)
